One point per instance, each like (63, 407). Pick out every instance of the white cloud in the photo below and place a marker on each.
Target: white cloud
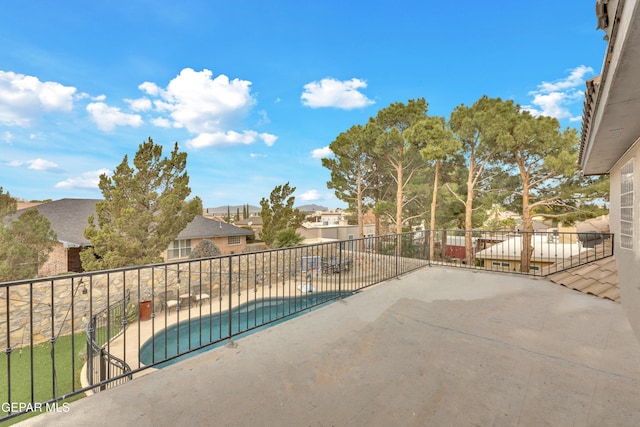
(204, 104)
(555, 99)
(310, 195)
(35, 164)
(321, 153)
(41, 164)
(268, 139)
(256, 155)
(107, 118)
(140, 104)
(334, 93)
(223, 138)
(88, 180)
(161, 122)
(209, 107)
(150, 88)
(8, 137)
(264, 118)
(24, 98)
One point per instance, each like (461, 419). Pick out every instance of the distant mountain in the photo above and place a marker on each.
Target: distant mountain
(223, 210)
(312, 208)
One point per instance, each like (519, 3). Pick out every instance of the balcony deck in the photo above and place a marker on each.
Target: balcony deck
(439, 346)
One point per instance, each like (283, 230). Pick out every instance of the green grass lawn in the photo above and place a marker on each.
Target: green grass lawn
(66, 379)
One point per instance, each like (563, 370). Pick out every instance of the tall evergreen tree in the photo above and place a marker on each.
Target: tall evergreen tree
(352, 167)
(438, 144)
(477, 128)
(278, 213)
(392, 145)
(544, 158)
(143, 210)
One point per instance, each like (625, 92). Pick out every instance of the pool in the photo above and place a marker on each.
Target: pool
(189, 335)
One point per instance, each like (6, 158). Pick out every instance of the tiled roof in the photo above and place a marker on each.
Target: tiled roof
(599, 278)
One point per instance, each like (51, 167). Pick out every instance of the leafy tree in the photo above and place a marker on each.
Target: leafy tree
(393, 146)
(143, 210)
(205, 249)
(25, 242)
(351, 168)
(278, 213)
(545, 160)
(287, 238)
(477, 128)
(495, 220)
(8, 204)
(438, 144)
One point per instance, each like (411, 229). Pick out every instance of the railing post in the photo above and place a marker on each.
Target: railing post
(340, 247)
(427, 243)
(103, 370)
(90, 352)
(397, 254)
(230, 343)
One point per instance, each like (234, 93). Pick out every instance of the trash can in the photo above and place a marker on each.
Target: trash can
(145, 310)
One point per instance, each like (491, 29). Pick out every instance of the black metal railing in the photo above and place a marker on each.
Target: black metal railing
(122, 322)
(102, 368)
(550, 251)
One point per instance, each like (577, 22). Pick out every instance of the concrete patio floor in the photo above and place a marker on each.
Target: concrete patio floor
(438, 347)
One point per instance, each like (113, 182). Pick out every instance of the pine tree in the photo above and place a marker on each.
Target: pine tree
(143, 210)
(278, 213)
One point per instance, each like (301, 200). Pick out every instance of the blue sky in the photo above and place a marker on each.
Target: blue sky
(255, 91)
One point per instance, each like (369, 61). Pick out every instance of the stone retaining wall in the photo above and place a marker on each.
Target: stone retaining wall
(57, 306)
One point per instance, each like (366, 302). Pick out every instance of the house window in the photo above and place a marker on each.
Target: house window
(626, 206)
(233, 240)
(179, 249)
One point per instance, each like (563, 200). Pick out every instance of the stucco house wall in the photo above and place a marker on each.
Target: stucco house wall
(627, 256)
(610, 139)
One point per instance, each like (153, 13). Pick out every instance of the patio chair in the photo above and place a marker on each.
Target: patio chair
(197, 294)
(169, 300)
(200, 297)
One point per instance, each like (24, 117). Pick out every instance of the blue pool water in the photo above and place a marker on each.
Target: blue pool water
(191, 334)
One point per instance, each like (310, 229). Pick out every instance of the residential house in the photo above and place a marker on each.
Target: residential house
(330, 226)
(228, 238)
(254, 223)
(320, 233)
(547, 250)
(610, 139)
(69, 218)
(455, 246)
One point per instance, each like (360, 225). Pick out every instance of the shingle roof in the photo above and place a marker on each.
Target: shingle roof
(202, 227)
(69, 218)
